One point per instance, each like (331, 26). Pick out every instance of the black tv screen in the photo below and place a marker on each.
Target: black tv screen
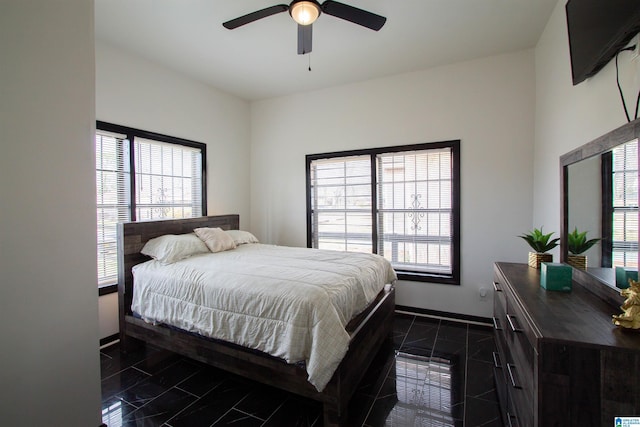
(598, 29)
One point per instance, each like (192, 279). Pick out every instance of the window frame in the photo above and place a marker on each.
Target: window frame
(131, 134)
(454, 146)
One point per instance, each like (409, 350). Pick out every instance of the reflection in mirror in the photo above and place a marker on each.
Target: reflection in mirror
(606, 207)
(600, 193)
(585, 201)
(624, 226)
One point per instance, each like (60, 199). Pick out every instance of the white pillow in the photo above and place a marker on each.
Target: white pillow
(173, 247)
(241, 237)
(216, 239)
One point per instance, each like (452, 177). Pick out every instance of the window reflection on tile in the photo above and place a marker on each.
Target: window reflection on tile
(424, 392)
(113, 414)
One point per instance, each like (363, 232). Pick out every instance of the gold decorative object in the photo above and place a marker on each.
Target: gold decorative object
(577, 261)
(630, 319)
(535, 259)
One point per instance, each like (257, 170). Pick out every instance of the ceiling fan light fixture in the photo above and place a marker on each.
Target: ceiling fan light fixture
(304, 12)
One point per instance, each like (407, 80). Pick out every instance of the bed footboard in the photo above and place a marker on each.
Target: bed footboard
(368, 334)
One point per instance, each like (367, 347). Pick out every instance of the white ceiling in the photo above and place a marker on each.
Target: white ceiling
(259, 60)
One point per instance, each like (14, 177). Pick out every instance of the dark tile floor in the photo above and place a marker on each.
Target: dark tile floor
(435, 373)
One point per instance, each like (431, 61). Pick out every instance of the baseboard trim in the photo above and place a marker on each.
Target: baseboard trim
(107, 341)
(435, 314)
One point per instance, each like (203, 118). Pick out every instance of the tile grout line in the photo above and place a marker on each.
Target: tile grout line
(234, 408)
(435, 339)
(433, 349)
(274, 412)
(407, 333)
(466, 376)
(198, 398)
(228, 410)
(155, 398)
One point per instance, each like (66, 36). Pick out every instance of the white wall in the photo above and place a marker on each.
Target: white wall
(569, 116)
(108, 316)
(488, 104)
(132, 91)
(49, 364)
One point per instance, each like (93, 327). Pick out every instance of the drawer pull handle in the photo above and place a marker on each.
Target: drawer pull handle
(511, 417)
(496, 287)
(510, 369)
(510, 318)
(496, 326)
(496, 360)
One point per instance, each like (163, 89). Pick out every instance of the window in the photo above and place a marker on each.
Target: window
(341, 204)
(624, 209)
(143, 176)
(400, 202)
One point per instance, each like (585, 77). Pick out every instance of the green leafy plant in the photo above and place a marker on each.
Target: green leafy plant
(578, 243)
(540, 242)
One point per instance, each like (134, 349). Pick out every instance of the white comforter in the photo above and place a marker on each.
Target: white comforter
(292, 303)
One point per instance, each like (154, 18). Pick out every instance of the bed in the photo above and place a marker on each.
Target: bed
(365, 332)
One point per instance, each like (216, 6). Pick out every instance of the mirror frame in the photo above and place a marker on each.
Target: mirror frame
(598, 146)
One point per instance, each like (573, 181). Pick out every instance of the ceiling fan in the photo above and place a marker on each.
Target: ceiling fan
(305, 12)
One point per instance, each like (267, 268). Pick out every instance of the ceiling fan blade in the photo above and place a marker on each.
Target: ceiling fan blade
(353, 14)
(305, 33)
(254, 16)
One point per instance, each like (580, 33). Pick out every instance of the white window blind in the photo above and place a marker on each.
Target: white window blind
(415, 209)
(625, 205)
(341, 203)
(113, 199)
(168, 180)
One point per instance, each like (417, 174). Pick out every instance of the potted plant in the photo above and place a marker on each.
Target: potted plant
(541, 243)
(577, 243)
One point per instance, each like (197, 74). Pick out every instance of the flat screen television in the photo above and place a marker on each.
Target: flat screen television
(598, 29)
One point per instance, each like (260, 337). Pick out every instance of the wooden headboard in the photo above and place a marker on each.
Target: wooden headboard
(133, 235)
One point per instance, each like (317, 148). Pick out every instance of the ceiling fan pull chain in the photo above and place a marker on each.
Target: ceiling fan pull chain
(309, 61)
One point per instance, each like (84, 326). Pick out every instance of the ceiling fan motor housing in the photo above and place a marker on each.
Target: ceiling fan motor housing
(305, 12)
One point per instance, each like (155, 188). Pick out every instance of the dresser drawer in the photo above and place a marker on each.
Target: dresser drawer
(520, 394)
(518, 353)
(519, 346)
(499, 314)
(499, 375)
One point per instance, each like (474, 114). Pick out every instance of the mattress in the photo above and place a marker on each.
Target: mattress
(292, 303)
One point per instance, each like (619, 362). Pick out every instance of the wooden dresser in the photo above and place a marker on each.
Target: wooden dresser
(560, 361)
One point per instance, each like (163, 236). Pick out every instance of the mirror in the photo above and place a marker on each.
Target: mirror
(585, 204)
(591, 180)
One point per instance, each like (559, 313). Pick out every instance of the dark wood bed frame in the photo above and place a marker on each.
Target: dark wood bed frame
(368, 330)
